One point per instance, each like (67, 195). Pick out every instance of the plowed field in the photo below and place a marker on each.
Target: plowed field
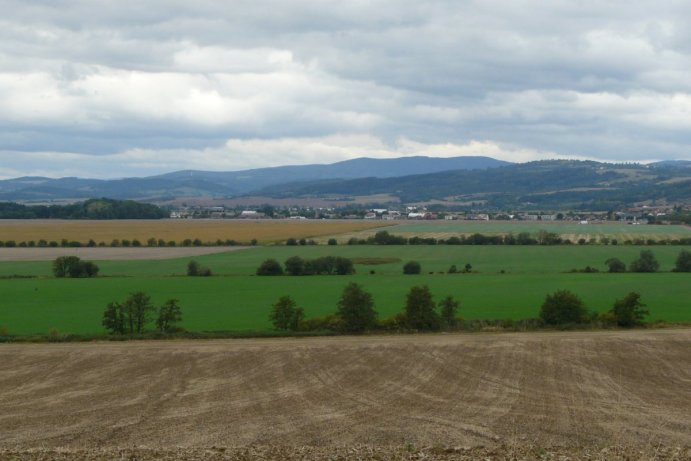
(521, 392)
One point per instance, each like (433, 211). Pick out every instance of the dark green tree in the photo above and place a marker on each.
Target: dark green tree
(114, 318)
(283, 313)
(615, 265)
(629, 312)
(646, 262)
(412, 267)
(270, 267)
(168, 315)
(193, 268)
(449, 309)
(72, 266)
(563, 307)
(295, 265)
(356, 309)
(420, 309)
(683, 263)
(137, 309)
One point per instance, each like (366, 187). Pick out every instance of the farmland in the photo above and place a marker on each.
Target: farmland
(567, 230)
(265, 231)
(235, 299)
(520, 396)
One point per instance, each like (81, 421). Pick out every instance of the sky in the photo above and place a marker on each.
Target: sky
(107, 89)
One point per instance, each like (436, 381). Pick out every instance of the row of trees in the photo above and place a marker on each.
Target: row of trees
(646, 262)
(116, 243)
(132, 315)
(296, 265)
(564, 307)
(102, 208)
(355, 311)
(542, 237)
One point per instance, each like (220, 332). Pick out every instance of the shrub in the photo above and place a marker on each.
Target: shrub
(73, 267)
(563, 307)
(332, 242)
(412, 267)
(615, 265)
(270, 267)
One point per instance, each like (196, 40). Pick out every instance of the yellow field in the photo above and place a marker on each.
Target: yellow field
(265, 231)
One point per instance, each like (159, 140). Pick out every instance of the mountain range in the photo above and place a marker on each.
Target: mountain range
(455, 181)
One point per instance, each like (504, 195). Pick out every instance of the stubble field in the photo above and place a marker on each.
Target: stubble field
(521, 396)
(207, 230)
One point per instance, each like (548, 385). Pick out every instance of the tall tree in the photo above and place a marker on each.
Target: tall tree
(137, 309)
(114, 318)
(420, 309)
(629, 312)
(356, 309)
(449, 308)
(169, 314)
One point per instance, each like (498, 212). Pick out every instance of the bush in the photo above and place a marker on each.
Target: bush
(412, 267)
(270, 267)
(332, 242)
(615, 265)
(563, 307)
(645, 263)
(194, 269)
(73, 267)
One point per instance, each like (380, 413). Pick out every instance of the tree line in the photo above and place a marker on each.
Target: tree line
(133, 314)
(542, 237)
(102, 208)
(296, 265)
(355, 313)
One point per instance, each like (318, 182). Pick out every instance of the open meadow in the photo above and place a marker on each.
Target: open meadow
(569, 395)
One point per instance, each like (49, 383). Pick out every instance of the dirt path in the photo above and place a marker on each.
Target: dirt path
(109, 253)
(597, 389)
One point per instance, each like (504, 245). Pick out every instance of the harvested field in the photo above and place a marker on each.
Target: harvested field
(207, 230)
(110, 254)
(352, 397)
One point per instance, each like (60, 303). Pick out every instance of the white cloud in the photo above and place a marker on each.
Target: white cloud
(285, 81)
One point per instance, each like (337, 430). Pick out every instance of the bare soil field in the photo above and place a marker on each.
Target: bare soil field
(110, 254)
(592, 395)
(207, 230)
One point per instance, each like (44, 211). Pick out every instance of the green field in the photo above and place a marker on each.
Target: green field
(235, 299)
(595, 230)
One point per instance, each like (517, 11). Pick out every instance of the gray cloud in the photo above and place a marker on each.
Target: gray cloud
(132, 88)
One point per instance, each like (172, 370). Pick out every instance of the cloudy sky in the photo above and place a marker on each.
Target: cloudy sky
(132, 87)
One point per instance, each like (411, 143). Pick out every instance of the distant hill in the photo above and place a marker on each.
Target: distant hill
(226, 184)
(543, 184)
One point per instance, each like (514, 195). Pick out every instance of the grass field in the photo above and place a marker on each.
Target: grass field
(235, 299)
(207, 230)
(570, 230)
